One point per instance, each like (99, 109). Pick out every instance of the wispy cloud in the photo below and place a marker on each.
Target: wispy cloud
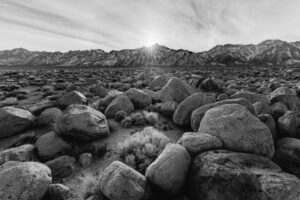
(116, 24)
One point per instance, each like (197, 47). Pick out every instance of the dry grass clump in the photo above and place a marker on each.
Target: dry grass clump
(142, 148)
(140, 119)
(89, 186)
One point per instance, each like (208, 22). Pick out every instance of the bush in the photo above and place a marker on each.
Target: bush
(142, 148)
(120, 115)
(150, 117)
(138, 119)
(126, 122)
(89, 186)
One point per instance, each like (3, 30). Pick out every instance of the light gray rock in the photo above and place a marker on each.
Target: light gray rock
(199, 113)
(169, 170)
(182, 115)
(14, 120)
(24, 180)
(21, 153)
(120, 103)
(223, 175)
(121, 182)
(50, 146)
(176, 90)
(196, 142)
(238, 129)
(81, 122)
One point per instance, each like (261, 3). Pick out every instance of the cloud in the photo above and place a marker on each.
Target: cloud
(196, 25)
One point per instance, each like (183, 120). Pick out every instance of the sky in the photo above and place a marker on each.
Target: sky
(195, 25)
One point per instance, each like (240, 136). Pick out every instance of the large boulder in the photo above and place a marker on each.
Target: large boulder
(82, 123)
(73, 97)
(49, 117)
(285, 96)
(168, 171)
(21, 153)
(238, 129)
(159, 82)
(14, 120)
(224, 175)
(61, 167)
(168, 108)
(99, 91)
(139, 98)
(121, 182)
(24, 180)
(176, 90)
(50, 146)
(251, 97)
(197, 143)
(271, 124)
(287, 155)
(182, 115)
(120, 103)
(199, 113)
(289, 124)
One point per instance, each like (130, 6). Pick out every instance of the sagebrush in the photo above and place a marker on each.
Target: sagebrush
(142, 148)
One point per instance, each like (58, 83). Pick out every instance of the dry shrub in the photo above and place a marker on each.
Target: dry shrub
(142, 148)
(89, 186)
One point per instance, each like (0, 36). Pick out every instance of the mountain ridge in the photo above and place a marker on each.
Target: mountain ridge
(267, 52)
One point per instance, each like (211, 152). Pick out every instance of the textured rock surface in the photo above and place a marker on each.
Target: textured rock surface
(24, 180)
(182, 115)
(227, 175)
(168, 171)
(14, 121)
(82, 123)
(120, 103)
(199, 113)
(238, 129)
(121, 182)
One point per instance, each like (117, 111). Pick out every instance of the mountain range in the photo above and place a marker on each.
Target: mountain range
(270, 52)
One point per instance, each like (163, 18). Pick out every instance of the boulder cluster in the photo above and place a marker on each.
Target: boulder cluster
(239, 144)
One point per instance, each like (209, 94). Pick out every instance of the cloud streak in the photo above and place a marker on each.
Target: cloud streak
(196, 25)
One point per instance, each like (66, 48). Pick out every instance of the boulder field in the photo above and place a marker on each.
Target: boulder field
(216, 135)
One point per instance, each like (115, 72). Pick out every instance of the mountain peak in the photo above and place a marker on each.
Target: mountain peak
(268, 51)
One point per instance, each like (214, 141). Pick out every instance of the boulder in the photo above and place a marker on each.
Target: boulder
(49, 117)
(289, 125)
(278, 110)
(21, 153)
(168, 171)
(271, 124)
(14, 120)
(120, 103)
(50, 146)
(99, 91)
(262, 108)
(182, 115)
(238, 129)
(176, 90)
(81, 122)
(197, 143)
(251, 97)
(168, 108)
(139, 98)
(209, 85)
(24, 180)
(198, 114)
(158, 82)
(61, 167)
(223, 175)
(57, 192)
(73, 97)
(287, 155)
(121, 182)
(285, 96)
